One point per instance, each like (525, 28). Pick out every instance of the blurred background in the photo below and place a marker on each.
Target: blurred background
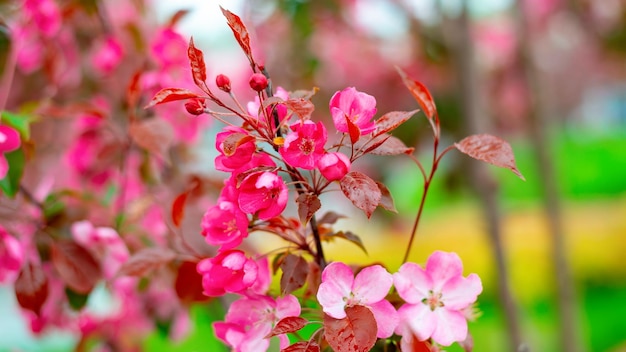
(549, 76)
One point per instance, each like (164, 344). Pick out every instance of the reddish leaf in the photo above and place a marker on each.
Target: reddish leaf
(242, 176)
(198, 68)
(362, 191)
(146, 260)
(188, 284)
(133, 91)
(391, 146)
(295, 270)
(278, 261)
(329, 218)
(468, 343)
(386, 200)
(304, 94)
(167, 95)
(179, 15)
(313, 280)
(420, 93)
(308, 204)
(76, 266)
(240, 32)
(233, 141)
(348, 235)
(353, 130)
(31, 287)
(302, 107)
(287, 325)
(354, 333)
(178, 208)
(490, 149)
(154, 135)
(391, 120)
(302, 346)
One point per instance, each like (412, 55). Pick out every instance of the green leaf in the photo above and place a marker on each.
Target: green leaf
(20, 122)
(10, 184)
(76, 300)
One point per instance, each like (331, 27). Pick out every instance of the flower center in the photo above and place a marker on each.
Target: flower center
(307, 146)
(230, 226)
(433, 300)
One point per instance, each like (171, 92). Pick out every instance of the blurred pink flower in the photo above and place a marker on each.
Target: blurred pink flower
(107, 55)
(230, 271)
(11, 257)
(340, 289)
(224, 225)
(167, 47)
(264, 194)
(45, 15)
(334, 166)
(357, 106)
(9, 141)
(104, 243)
(305, 145)
(436, 298)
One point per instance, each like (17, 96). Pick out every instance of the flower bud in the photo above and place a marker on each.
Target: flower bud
(258, 82)
(195, 106)
(334, 166)
(223, 83)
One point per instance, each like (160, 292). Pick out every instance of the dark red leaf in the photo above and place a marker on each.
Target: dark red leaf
(391, 120)
(76, 266)
(146, 260)
(178, 208)
(167, 95)
(240, 32)
(31, 287)
(362, 191)
(348, 235)
(302, 346)
(198, 68)
(330, 218)
(278, 261)
(233, 141)
(242, 176)
(308, 204)
(313, 280)
(353, 130)
(287, 325)
(420, 93)
(154, 135)
(354, 333)
(391, 146)
(188, 284)
(386, 200)
(490, 149)
(133, 92)
(302, 107)
(295, 270)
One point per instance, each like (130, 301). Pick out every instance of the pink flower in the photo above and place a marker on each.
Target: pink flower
(224, 225)
(305, 145)
(11, 257)
(340, 289)
(357, 106)
(250, 319)
(436, 298)
(334, 166)
(45, 15)
(167, 47)
(9, 141)
(229, 271)
(230, 160)
(264, 194)
(104, 243)
(107, 55)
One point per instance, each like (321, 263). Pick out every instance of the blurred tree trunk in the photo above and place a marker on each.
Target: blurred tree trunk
(539, 118)
(481, 178)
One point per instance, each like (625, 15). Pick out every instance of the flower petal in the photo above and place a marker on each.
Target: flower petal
(336, 285)
(372, 284)
(443, 266)
(451, 326)
(460, 292)
(287, 306)
(386, 318)
(412, 283)
(419, 319)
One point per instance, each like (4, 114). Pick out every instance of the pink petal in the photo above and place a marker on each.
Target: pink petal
(451, 326)
(4, 166)
(419, 318)
(460, 292)
(372, 284)
(287, 306)
(443, 266)
(386, 318)
(9, 139)
(336, 285)
(412, 283)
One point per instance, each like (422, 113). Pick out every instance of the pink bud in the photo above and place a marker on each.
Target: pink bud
(223, 83)
(334, 166)
(195, 106)
(258, 82)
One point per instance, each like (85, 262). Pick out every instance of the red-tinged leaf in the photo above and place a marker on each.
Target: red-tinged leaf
(313, 280)
(178, 208)
(420, 93)
(188, 284)
(354, 333)
(410, 343)
(302, 107)
(295, 270)
(240, 32)
(348, 235)
(167, 95)
(287, 325)
(304, 94)
(391, 120)
(362, 191)
(353, 130)
(391, 146)
(308, 204)
(146, 260)
(278, 261)
(330, 218)
(179, 15)
(133, 92)
(76, 266)
(31, 287)
(233, 141)
(490, 149)
(386, 200)
(302, 346)
(242, 176)
(198, 68)
(154, 135)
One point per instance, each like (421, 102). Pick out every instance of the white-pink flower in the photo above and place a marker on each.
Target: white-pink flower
(436, 298)
(340, 289)
(11, 257)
